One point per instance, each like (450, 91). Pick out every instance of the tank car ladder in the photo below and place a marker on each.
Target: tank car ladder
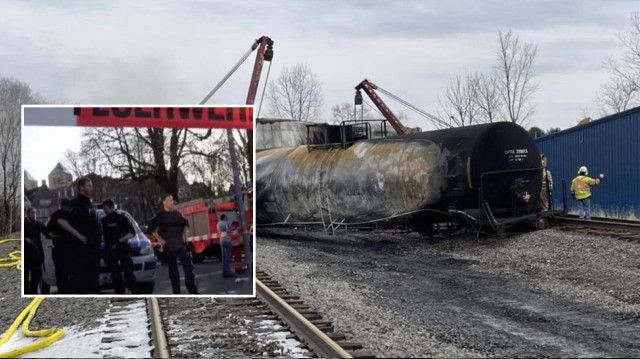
(323, 204)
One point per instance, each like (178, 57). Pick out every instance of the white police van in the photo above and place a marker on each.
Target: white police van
(144, 261)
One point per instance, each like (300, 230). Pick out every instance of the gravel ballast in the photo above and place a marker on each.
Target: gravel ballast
(53, 312)
(204, 327)
(546, 293)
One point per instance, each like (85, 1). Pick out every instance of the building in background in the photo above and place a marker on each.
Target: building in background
(29, 181)
(42, 199)
(610, 145)
(60, 177)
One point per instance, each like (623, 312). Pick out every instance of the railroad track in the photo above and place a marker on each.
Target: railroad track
(274, 313)
(625, 230)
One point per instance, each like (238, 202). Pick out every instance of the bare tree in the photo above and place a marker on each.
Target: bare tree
(515, 74)
(138, 154)
(623, 90)
(157, 154)
(13, 94)
(296, 95)
(348, 112)
(486, 97)
(617, 95)
(459, 104)
(209, 163)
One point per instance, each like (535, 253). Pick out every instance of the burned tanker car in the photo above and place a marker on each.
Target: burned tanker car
(483, 176)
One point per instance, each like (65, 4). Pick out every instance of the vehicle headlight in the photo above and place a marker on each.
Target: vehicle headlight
(145, 248)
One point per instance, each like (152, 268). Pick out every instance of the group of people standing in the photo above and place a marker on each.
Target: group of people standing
(580, 189)
(77, 235)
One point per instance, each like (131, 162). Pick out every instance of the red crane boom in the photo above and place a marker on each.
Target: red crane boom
(369, 88)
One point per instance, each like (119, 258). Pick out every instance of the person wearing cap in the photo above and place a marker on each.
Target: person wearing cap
(581, 191)
(547, 184)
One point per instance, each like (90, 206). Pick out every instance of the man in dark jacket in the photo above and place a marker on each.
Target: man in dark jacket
(82, 224)
(65, 250)
(116, 231)
(169, 227)
(34, 255)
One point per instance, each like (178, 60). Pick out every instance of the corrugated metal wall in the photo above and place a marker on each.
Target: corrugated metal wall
(611, 146)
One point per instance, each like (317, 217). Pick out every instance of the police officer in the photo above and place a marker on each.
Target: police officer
(34, 255)
(65, 250)
(116, 231)
(82, 224)
(169, 228)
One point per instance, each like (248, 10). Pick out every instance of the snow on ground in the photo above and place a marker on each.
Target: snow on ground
(126, 325)
(278, 334)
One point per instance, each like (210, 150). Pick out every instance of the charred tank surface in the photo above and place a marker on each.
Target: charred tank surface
(412, 178)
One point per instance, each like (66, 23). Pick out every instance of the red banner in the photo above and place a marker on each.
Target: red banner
(168, 117)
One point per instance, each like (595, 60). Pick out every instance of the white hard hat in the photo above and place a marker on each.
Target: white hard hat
(583, 169)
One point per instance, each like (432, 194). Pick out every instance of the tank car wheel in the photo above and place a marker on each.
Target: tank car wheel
(542, 223)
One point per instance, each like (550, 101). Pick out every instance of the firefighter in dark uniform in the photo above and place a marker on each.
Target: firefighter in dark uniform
(34, 255)
(82, 224)
(116, 231)
(65, 250)
(169, 228)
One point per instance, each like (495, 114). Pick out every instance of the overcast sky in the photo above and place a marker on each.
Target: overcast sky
(174, 52)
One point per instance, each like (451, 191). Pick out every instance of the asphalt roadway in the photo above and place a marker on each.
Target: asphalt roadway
(208, 279)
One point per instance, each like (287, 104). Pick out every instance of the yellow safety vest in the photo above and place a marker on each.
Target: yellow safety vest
(581, 186)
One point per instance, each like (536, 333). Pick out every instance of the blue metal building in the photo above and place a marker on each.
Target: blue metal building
(610, 145)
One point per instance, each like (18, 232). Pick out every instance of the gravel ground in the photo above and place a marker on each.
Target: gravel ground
(202, 327)
(546, 293)
(11, 302)
(53, 312)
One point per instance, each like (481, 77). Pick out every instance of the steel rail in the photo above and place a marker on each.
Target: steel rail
(604, 219)
(158, 337)
(605, 223)
(319, 342)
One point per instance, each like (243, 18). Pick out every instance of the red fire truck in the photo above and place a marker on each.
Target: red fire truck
(203, 215)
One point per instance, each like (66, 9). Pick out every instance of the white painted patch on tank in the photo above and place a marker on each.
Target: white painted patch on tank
(360, 149)
(380, 177)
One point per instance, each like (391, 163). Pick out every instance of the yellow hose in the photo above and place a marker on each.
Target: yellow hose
(15, 257)
(52, 334)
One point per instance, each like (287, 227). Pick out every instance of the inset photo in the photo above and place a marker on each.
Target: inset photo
(144, 201)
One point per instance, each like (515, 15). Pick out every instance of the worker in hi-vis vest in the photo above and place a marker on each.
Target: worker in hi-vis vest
(581, 191)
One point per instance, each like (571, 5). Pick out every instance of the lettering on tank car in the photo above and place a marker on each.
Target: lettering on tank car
(517, 155)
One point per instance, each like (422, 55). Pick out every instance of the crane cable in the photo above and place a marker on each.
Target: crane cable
(264, 89)
(414, 108)
(373, 108)
(50, 335)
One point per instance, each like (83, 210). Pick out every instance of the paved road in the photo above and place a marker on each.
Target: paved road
(208, 279)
